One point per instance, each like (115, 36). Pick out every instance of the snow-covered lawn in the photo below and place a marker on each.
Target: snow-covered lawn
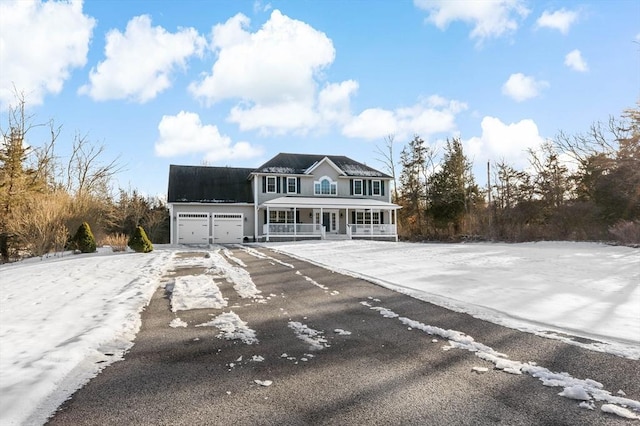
(62, 319)
(549, 288)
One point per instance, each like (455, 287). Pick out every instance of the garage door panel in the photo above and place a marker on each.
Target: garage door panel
(193, 228)
(228, 228)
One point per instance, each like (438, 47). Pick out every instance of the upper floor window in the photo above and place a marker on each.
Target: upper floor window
(357, 187)
(325, 186)
(375, 187)
(271, 184)
(292, 185)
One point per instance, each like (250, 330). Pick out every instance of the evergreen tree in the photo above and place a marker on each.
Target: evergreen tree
(84, 240)
(414, 160)
(139, 241)
(452, 190)
(17, 180)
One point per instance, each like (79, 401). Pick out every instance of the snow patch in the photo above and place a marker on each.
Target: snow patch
(232, 328)
(177, 322)
(314, 338)
(196, 292)
(619, 411)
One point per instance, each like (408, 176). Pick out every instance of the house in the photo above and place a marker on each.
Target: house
(290, 197)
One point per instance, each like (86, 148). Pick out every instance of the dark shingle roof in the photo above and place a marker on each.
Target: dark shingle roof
(202, 184)
(284, 163)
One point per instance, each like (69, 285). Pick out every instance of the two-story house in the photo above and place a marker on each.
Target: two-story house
(291, 196)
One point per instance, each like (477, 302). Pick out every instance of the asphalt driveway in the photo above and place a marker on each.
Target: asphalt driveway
(382, 373)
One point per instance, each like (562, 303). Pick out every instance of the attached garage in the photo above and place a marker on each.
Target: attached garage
(227, 228)
(193, 228)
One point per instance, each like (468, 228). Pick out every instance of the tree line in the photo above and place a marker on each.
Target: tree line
(43, 199)
(583, 187)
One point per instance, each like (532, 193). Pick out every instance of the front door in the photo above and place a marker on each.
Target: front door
(329, 221)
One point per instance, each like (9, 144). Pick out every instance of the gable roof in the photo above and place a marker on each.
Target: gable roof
(203, 184)
(285, 163)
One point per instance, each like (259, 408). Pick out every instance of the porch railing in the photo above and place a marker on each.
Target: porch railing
(360, 230)
(289, 229)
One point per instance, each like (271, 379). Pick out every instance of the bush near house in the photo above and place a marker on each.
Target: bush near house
(84, 240)
(139, 241)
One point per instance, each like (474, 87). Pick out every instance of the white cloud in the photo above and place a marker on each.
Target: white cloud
(33, 60)
(575, 61)
(184, 133)
(140, 62)
(508, 142)
(521, 87)
(560, 20)
(276, 64)
(490, 18)
(431, 116)
(275, 74)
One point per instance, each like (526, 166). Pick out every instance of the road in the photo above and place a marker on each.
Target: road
(383, 373)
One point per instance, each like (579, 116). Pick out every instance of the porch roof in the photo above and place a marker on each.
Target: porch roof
(328, 203)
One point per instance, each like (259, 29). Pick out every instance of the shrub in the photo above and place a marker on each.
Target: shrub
(117, 242)
(83, 240)
(626, 232)
(139, 241)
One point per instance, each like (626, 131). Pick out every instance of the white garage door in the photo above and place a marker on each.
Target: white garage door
(227, 228)
(193, 228)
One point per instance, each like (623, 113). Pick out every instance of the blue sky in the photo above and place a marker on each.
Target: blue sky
(232, 83)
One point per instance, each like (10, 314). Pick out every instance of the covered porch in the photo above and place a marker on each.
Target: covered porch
(297, 218)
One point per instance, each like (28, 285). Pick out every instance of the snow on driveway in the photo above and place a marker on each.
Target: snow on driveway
(63, 319)
(549, 288)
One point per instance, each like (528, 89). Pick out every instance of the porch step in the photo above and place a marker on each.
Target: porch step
(328, 236)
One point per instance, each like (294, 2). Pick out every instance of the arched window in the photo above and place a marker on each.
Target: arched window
(325, 186)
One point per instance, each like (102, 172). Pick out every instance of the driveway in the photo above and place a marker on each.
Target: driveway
(329, 350)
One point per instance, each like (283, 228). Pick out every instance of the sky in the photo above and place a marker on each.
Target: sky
(233, 83)
(74, 327)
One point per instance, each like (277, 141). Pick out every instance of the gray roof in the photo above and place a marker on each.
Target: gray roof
(203, 184)
(285, 163)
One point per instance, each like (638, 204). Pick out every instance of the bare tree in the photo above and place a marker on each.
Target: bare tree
(85, 174)
(386, 157)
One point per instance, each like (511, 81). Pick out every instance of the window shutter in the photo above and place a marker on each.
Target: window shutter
(353, 216)
(351, 187)
(370, 185)
(278, 185)
(297, 216)
(298, 185)
(381, 217)
(265, 217)
(382, 187)
(264, 184)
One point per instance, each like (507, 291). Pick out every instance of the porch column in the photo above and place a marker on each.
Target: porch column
(346, 221)
(371, 222)
(268, 218)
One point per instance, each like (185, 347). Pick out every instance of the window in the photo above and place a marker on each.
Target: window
(363, 217)
(280, 216)
(292, 185)
(271, 184)
(357, 187)
(325, 187)
(375, 185)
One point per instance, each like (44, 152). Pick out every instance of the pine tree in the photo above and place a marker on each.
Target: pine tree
(414, 160)
(452, 191)
(139, 241)
(84, 240)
